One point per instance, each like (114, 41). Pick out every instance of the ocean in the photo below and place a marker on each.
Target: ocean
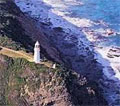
(105, 11)
(90, 21)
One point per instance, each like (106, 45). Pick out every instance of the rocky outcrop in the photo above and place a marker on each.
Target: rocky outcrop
(12, 34)
(54, 44)
(32, 84)
(37, 85)
(22, 31)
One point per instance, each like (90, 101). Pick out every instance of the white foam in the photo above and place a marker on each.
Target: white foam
(55, 12)
(47, 10)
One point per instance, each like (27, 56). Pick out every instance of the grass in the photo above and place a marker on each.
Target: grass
(21, 54)
(16, 54)
(18, 67)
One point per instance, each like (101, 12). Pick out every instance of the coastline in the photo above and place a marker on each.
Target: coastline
(82, 43)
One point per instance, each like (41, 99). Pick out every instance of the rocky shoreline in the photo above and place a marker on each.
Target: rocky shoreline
(74, 53)
(84, 63)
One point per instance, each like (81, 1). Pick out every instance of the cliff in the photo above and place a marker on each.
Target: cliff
(18, 31)
(25, 83)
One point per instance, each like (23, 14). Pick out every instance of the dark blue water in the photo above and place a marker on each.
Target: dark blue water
(106, 10)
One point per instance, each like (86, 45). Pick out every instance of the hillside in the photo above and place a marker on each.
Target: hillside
(12, 34)
(19, 32)
(25, 83)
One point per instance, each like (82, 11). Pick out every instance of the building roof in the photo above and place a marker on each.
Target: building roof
(37, 43)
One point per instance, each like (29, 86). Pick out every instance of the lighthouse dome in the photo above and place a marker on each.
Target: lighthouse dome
(37, 43)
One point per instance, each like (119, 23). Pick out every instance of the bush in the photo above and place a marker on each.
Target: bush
(11, 32)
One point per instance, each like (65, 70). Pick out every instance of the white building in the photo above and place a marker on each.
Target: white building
(54, 66)
(37, 52)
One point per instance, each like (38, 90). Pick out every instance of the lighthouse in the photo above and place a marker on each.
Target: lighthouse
(37, 52)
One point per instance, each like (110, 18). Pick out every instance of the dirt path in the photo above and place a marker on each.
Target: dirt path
(21, 54)
(16, 54)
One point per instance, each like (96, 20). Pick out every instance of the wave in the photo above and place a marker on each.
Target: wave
(84, 28)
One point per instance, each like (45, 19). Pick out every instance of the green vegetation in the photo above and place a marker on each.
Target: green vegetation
(20, 78)
(19, 72)
(12, 34)
(9, 43)
(23, 78)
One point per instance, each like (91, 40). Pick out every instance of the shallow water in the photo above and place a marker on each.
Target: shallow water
(95, 11)
(112, 41)
(92, 11)
(107, 11)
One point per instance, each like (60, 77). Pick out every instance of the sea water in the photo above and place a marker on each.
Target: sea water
(107, 11)
(80, 13)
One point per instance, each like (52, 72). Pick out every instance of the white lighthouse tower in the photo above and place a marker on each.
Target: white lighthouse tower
(37, 52)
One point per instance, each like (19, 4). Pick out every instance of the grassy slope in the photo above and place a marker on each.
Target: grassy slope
(21, 54)
(16, 73)
(23, 79)
(16, 54)
(12, 34)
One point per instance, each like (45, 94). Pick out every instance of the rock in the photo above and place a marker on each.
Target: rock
(58, 29)
(109, 31)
